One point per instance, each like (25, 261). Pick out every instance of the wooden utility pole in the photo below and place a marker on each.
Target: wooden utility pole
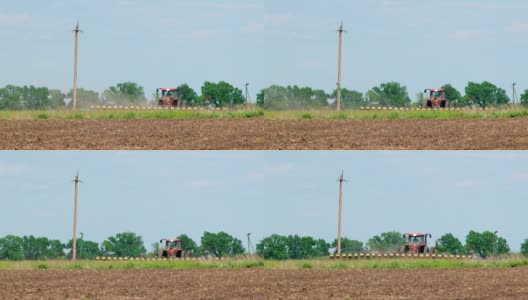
(341, 180)
(247, 94)
(74, 98)
(514, 97)
(338, 100)
(250, 246)
(74, 242)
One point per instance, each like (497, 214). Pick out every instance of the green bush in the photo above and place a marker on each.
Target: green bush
(306, 265)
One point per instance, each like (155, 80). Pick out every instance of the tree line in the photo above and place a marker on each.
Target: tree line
(392, 94)
(275, 97)
(13, 97)
(482, 244)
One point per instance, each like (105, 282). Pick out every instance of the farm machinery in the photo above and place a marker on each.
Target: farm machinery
(416, 243)
(435, 98)
(168, 97)
(415, 247)
(171, 249)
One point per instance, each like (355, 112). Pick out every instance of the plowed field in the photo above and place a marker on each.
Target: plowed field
(485, 283)
(264, 134)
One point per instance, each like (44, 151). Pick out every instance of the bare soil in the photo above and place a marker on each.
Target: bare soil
(262, 134)
(486, 283)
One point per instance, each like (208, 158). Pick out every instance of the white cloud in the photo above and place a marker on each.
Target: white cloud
(12, 169)
(467, 183)
(232, 6)
(279, 169)
(520, 176)
(14, 20)
(278, 19)
(467, 34)
(204, 184)
(127, 2)
(253, 27)
(518, 27)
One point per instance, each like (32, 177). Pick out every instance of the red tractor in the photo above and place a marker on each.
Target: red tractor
(417, 243)
(436, 98)
(172, 248)
(168, 97)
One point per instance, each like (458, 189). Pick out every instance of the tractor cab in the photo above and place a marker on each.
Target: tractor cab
(436, 98)
(417, 243)
(168, 97)
(171, 248)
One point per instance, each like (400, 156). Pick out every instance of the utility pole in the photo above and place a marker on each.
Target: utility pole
(250, 246)
(338, 100)
(74, 242)
(341, 180)
(74, 97)
(247, 94)
(514, 98)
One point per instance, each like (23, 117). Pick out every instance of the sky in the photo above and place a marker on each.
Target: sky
(163, 194)
(156, 43)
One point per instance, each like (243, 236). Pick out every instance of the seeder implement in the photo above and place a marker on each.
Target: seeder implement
(397, 256)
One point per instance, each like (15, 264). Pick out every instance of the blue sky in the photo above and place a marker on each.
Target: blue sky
(162, 194)
(161, 43)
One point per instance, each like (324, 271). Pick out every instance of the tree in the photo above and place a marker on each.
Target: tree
(35, 247)
(452, 94)
(36, 97)
(524, 248)
(321, 248)
(389, 94)
(221, 244)
(273, 247)
(187, 94)
(188, 244)
(484, 94)
(448, 243)
(124, 244)
(56, 98)
(349, 246)
(221, 94)
(11, 248)
(524, 98)
(349, 99)
(11, 97)
(387, 242)
(125, 93)
(85, 98)
(85, 249)
(486, 244)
